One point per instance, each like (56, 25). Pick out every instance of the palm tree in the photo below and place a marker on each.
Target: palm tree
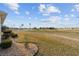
(29, 25)
(22, 25)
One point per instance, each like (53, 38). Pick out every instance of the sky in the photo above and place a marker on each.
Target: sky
(57, 15)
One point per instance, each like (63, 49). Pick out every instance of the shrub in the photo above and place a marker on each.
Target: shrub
(4, 36)
(13, 35)
(3, 28)
(7, 31)
(6, 43)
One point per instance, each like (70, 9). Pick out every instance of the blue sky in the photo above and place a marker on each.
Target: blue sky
(41, 14)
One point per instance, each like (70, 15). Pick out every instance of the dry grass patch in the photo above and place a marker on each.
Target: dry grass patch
(49, 44)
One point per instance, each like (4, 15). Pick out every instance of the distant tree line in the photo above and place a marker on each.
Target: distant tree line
(44, 28)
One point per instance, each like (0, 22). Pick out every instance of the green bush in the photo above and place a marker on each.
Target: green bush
(6, 43)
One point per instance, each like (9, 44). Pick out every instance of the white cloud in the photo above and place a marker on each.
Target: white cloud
(42, 7)
(57, 19)
(75, 8)
(16, 12)
(69, 15)
(46, 10)
(29, 17)
(27, 12)
(66, 15)
(67, 19)
(72, 15)
(45, 14)
(53, 19)
(14, 7)
(8, 21)
(53, 9)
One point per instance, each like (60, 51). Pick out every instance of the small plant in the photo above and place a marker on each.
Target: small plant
(6, 44)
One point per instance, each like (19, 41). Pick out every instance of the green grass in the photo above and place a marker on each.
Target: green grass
(51, 45)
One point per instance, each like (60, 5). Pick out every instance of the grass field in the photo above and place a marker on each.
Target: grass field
(52, 42)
